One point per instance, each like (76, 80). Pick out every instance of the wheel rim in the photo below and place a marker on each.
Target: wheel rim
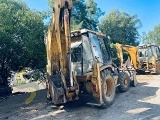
(125, 82)
(109, 88)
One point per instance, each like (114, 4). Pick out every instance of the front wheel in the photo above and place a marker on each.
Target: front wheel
(124, 81)
(108, 89)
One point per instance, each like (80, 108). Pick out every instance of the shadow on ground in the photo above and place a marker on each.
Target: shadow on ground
(134, 104)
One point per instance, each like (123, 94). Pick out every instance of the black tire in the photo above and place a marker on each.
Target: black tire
(108, 88)
(124, 81)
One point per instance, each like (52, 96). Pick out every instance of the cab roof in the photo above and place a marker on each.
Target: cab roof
(146, 46)
(82, 31)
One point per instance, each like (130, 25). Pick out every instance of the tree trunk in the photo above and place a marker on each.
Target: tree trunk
(4, 75)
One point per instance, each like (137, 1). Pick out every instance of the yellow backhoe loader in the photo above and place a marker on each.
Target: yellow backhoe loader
(144, 59)
(79, 63)
(149, 56)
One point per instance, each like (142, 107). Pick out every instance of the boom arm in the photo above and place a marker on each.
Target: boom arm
(132, 50)
(58, 41)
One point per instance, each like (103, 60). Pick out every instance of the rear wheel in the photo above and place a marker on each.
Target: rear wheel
(124, 81)
(108, 88)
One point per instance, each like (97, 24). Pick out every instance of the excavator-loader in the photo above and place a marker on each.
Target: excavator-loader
(149, 56)
(79, 63)
(144, 59)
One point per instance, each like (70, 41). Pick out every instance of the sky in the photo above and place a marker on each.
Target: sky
(148, 11)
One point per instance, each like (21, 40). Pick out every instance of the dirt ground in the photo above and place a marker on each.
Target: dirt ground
(139, 103)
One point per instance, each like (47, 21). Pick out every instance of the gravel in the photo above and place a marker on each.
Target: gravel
(139, 103)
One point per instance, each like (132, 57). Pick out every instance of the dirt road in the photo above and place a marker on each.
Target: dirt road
(139, 103)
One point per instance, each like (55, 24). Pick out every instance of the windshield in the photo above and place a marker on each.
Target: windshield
(142, 52)
(88, 59)
(76, 55)
(82, 57)
(155, 51)
(96, 47)
(149, 52)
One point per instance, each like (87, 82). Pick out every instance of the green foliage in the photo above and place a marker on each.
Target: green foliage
(84, 14)
(75, 26)
(114, 55)
(121, 27)
(21, 37)
(51, 3)
(153, 36)
(93, 14)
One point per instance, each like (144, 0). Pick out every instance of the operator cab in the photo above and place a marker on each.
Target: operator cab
(146, 52)
(88, 47)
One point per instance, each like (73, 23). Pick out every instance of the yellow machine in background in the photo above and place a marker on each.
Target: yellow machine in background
(79, 63)
(150, 58)
(144, 59)
(133, 52)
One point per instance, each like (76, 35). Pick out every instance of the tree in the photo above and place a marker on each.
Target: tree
(93, 14)
(51, 3)
(84, 14)
(121, 27)
(153, 36)
(75, 26)
(21, 38)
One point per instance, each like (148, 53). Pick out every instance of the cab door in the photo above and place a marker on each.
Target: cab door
(95, 46)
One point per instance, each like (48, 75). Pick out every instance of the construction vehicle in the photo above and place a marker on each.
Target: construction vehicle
(149, 56)
(79, 63)
(144, 59)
